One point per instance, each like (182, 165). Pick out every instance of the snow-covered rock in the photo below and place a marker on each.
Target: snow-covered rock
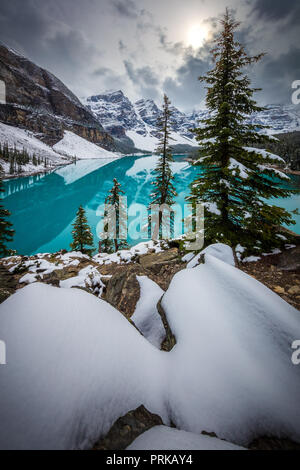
(164, 438)
(218, 250)
(74, 365)
(231, 371)
(146, 316)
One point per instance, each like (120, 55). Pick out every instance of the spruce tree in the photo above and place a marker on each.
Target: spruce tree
(236, 180)
(164, 191)
(82, 235)
(6, 231)
(110, 244)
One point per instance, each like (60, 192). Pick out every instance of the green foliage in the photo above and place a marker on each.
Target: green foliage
(235, 181)
(6, 231)
(164, 189)
(82, 235)
(18, 158)
(113, 242)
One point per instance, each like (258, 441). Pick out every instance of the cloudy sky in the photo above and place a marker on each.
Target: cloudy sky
(147, 47)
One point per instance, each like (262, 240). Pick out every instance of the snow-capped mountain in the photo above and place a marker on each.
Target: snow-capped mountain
(137, 121)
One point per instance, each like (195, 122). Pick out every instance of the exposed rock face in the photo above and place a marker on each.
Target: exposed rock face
(156, 261)
(123, 290)
(290, 260)
(127, 428)
(38, 101)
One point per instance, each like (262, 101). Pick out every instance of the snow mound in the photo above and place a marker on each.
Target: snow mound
(231, 371)
(164, 438)
(74, 365)
(218, 250)
(146, 316)
(73, 145)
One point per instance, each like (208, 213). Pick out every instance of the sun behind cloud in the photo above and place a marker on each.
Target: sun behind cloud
(196, 35)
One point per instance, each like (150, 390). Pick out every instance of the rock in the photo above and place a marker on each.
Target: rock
(40, 102)
(170, 340)
(289, 260)
(279, 290)
(294, 290)
(155, 261)
(127, 428)
(273, 443)
(123, 289)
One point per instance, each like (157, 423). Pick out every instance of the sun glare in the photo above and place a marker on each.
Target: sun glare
(196, 35)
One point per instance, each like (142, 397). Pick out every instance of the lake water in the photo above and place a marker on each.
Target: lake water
(43, 207)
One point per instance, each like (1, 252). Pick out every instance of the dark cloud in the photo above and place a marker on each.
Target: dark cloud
(277, 10)
(144, 79)
(185, 89)
(126, 8)
(275, 76)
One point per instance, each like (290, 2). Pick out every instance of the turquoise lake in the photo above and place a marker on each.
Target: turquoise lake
(43, 207)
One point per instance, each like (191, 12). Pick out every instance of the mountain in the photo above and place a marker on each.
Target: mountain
(137, 121)
(39, 102)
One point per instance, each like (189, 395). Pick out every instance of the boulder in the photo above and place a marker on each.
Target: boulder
(289, 260)
(127, 428)
(123, 289)
(155, 261)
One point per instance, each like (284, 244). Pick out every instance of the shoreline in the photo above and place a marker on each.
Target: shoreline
(34, 173)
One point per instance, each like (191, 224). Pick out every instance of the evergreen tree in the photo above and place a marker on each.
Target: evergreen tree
(235, 179)
(82, 235)
(6, 231)
(110, 244)
(164, 191)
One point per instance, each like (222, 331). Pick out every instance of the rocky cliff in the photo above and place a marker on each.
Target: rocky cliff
(38, 101)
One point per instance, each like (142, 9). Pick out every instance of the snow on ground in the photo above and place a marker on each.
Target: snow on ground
(229, 370)
(87, 277)
(164, 438)
(219, 250)
(73, 145)
(74, 365)
(126, 256)
(24, 139)
(146, 316)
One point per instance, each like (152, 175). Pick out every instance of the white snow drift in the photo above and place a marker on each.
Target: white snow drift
(164, 438)
(75, 364)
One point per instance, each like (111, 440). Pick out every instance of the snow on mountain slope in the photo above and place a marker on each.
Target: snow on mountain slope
(74, 146)
(138, 120)
(24, 139)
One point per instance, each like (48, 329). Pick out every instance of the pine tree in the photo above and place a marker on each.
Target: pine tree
(164, 192)
(235, 179)
(82, 235)
(6, 232)
(109, 245)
